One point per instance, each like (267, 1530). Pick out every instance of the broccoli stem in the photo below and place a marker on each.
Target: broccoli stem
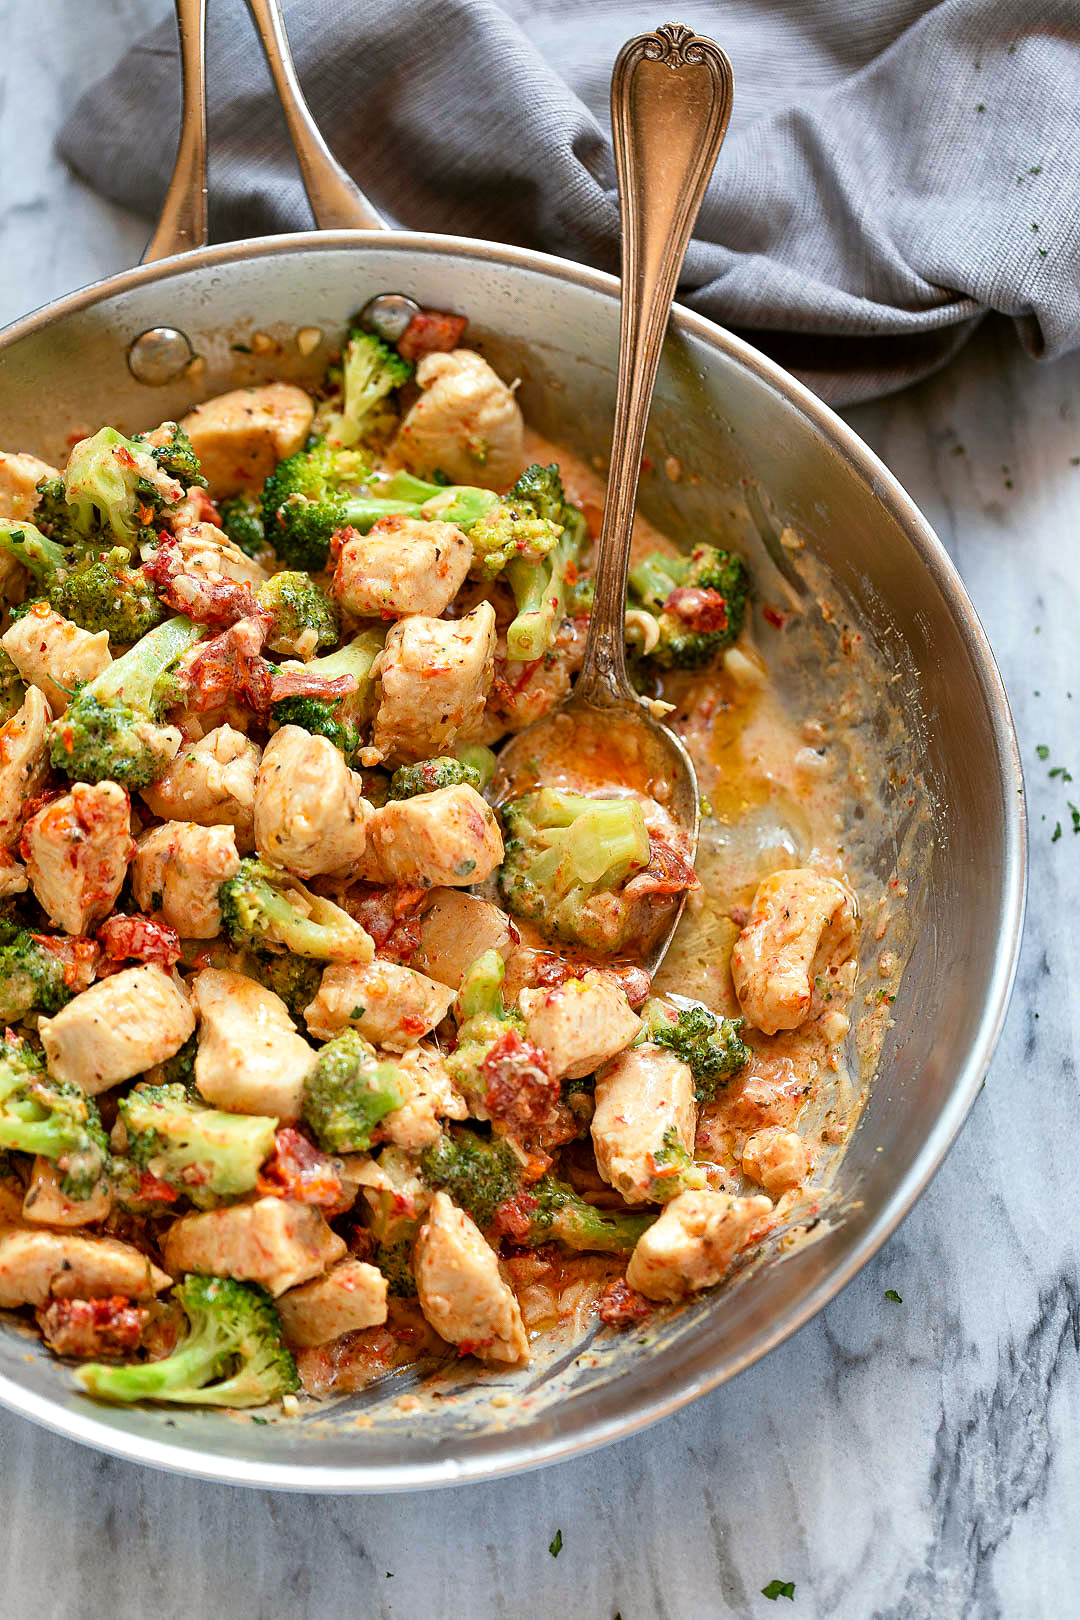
(135, 679)
(190, 1367)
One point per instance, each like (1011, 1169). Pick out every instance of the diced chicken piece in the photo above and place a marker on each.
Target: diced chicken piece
(211, 781)
(352, 1295)
(446, 838)
(12, 875)
(207, 551)
(241, 436)
(178, 869)
(116, 1029)
(579, 1024)
(46, 1205)
(799, 921)
(52, 653)
(274, 1241)
(36, 1266)
(250, 1059)
(466, 424)
(24, 761)
(694, 1243)
(390, 1005)
(777, 1159)
(461, 1290)
(644, 1103)
(429, 1097)
(402, 565)
(434, 675)
(310, 813)
(455, 929)
(77, 850)
(20, 474)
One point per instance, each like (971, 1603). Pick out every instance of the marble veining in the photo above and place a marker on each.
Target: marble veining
(913, 1461)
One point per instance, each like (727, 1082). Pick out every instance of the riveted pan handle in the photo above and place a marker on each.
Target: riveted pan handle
(336, 200)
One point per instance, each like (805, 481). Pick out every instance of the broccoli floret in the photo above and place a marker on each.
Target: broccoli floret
(370, 370)
(262, 906)
(303, 615)
(508, 532)
(392, 1216)
(712, 1046)
(395, 1261)
(31, 978)
(482, 1020)
(241, 521)
(567, 858)
(480, 1173)
(348, 1092)
(311, 495)
(175, 455)
(695, 628)
(56, 518)
(106, 593)
(294, 978)
(45, 558)
(110, 730)
(429, 775)
(179, 1070)
(674, 1170)
(232, 1354)
(200, 1151)
(115, 485)
(340, 719)
(12, 688)
(540, 585)
(41, 1115)
(479, 759)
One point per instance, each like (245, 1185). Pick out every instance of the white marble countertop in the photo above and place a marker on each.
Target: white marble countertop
(906, 1462)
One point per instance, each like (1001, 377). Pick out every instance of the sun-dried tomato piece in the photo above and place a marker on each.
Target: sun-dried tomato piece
(300, 683)
(620, 1304)
(136, 938)
(431, 331)
(298, 1169)
(551, 971)
(204, 600)
(92, 1328)
(513, 1217)
(522, 1095)
(391, 916)
(698, 607)
(668, 872)
(230, 666)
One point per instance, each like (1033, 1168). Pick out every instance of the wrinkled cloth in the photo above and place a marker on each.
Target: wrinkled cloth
(893, 171)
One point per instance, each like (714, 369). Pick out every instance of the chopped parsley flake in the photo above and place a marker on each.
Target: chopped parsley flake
(1043, 751)
(779, 1589)
(1059, 770)
(958, 450)
(1056, 834)
(890, 1293)
(1075, 813)
(555, 1547)
(358, 1011)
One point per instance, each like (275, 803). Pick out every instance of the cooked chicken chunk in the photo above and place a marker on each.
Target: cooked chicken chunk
(352, 1295)
(36, 1266)
(579, 1024)
(694, 1242)
(178, 869)
(402, 565)
(76, 851)
(777, 1159)
(455, 929)
(429, 1097)
(24, 761)
(390, 1005)
(241, 436)
(274, 1241)
(466, 423)
(644, 1104)
(211, 781)
(434, 675)
(250, 1059)
(310, 813)
(461, 1290)
(20, 474)
(800, 920)
(46, 1205)
(12, 875)
(52, 653)
(116, 1029)
(444, 839)
(207, 551)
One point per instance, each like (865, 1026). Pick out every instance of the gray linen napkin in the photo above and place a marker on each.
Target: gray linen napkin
(894, 170)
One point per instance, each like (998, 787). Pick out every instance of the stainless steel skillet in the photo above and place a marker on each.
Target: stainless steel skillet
(738, 424)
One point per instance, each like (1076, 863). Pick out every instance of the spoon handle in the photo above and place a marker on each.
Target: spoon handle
(182, 224)
(670, 103)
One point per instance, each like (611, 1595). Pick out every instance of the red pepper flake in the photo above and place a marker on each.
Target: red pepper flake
(774, 617)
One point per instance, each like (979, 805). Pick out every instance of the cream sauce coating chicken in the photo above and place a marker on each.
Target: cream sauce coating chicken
(368, 1037)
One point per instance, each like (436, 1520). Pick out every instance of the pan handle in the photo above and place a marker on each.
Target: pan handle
(182, 222)
(336, 200)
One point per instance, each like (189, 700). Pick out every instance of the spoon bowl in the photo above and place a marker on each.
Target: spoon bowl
(670, 104)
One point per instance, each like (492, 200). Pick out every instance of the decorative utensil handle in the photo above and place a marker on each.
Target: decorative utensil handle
(671, 95)
(182, 223)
